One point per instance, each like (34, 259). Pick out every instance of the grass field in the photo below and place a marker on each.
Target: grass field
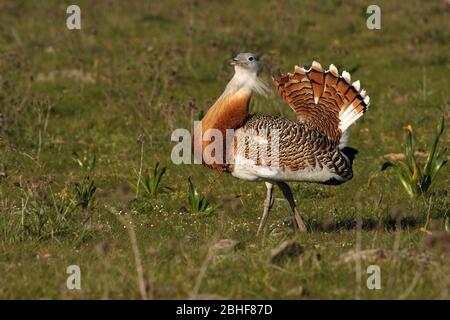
(103, 100)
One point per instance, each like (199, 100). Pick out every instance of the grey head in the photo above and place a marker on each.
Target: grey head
(247, 61)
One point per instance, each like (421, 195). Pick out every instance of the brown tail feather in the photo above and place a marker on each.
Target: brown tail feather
(324, 100)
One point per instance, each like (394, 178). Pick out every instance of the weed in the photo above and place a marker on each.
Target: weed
(415, 180)
(198, 203)
(85, 193)
(49, 218)
(151, 182)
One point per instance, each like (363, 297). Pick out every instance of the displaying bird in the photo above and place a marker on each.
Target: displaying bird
(311, 149)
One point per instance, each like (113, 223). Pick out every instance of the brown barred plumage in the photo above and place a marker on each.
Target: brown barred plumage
(300, 147)
(321, 98)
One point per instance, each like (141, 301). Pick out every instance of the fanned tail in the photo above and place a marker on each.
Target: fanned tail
(324, 100)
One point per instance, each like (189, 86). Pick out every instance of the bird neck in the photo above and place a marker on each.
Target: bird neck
(231, 109)
(228, 112)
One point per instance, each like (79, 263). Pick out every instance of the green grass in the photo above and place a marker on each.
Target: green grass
(157, 67)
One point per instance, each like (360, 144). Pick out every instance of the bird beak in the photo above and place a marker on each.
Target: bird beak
(233, 61)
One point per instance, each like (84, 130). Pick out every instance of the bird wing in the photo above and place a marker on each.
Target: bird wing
(323, 100)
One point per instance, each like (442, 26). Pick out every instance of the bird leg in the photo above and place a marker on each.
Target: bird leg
(290, 198)
(268, 203)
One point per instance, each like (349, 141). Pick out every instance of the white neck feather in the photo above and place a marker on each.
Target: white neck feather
(244, 82)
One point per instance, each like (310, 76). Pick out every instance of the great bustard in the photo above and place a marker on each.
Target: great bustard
(311, 149)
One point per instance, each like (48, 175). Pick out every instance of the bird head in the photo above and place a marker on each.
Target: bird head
(246, 62)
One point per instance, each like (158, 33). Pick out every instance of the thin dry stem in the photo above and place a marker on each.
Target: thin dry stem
(140, 169)
(128, 223)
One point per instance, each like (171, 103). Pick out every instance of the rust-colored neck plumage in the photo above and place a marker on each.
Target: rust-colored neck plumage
(229, 112)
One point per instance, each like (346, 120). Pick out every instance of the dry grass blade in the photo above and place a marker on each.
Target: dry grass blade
(127, 222)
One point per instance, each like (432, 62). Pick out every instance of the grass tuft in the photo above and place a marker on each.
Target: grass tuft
(151, 182)
(199, 204)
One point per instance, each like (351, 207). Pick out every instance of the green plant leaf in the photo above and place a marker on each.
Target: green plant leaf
(446, 224)
(440, 161)
(151, 181)
(413, 178)
(410, 147)
(429, 161)
(403, 174)
(199, 204)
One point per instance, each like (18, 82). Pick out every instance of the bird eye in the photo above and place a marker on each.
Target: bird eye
(250, 59)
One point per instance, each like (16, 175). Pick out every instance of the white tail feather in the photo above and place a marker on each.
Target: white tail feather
(353, 112)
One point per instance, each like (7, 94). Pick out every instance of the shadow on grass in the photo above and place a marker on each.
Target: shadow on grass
(388, 224)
